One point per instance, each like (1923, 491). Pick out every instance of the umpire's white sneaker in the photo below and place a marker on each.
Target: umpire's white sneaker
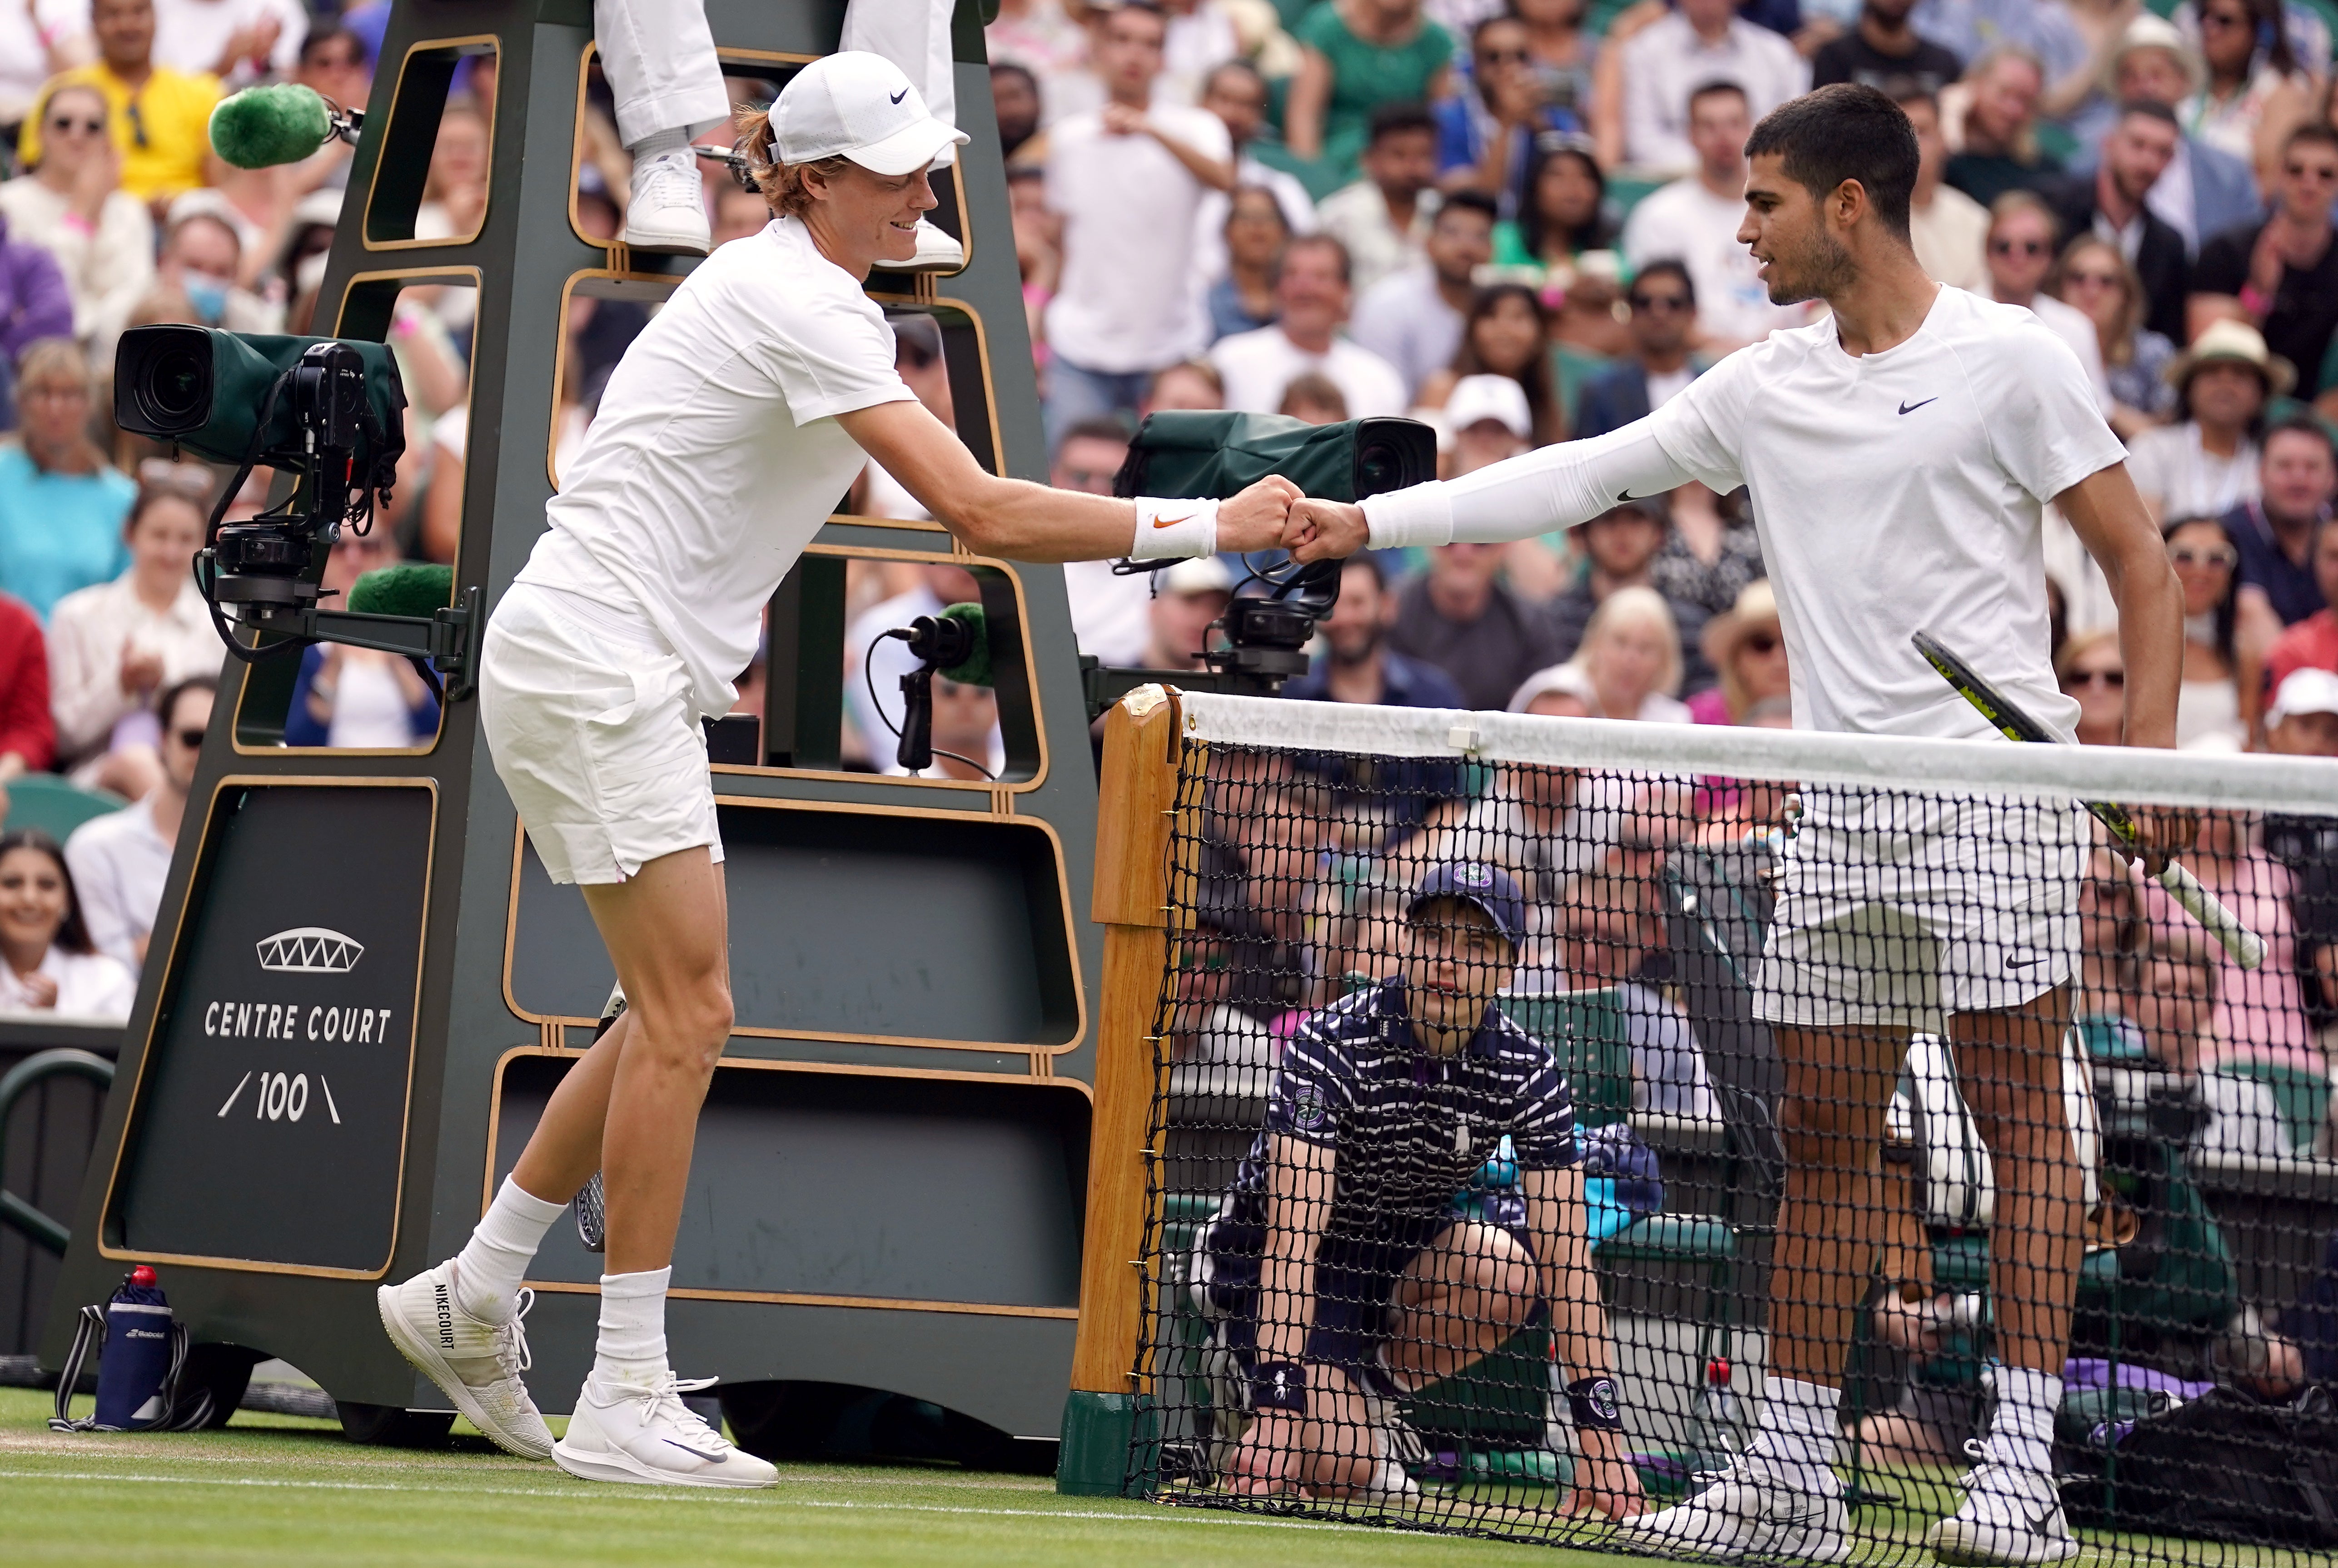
(667, 209)
(476, 1363)
(623, 1432)
(2009, 1516)
(1752, 1511)
(937, 251)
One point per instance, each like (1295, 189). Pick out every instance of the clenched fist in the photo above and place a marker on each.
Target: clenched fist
(1322, 530)
(1257, 518)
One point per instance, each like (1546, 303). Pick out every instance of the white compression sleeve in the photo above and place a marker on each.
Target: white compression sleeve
(1550, 487)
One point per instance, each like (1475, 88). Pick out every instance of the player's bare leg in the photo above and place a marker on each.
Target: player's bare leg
(667, 928)
(1782, 1499)
(2010, 1070)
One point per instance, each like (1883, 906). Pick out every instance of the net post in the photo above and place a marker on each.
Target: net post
(1131, 902)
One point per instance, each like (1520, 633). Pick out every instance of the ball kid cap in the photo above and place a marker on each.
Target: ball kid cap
(1488, 888)
(860, 107)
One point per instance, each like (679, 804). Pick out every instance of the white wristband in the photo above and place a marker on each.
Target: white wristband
(1423, 515)
(1169, 530)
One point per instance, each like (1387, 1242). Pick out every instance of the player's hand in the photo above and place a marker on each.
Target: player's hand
(2164, 833)
(1257, 518)
(1120, 120)
(1266, 1461)
(1608, 1484)
(1323, 530)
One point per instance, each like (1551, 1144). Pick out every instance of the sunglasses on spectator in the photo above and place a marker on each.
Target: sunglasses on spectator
(2185, 555)
(179, 478)
(137, 124)
(2077, 679)
(2008, 247)
(193, 740)
(1504, 57)
(1660, 302)
(65, 124)
(1761, 642)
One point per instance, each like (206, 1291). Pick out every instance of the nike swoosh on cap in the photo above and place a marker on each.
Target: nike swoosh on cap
(1911, 407)
(904, 93)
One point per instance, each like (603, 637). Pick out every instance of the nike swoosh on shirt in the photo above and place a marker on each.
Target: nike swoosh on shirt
(904, 93)
(1911, 407)
(2013, 963)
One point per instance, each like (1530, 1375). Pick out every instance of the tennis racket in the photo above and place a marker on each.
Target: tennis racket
(2247, 948)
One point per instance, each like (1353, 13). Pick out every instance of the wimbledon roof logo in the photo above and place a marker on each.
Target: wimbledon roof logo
(309, 950)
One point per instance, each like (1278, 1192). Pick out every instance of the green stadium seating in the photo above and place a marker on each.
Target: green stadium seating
(2302, 1095)
(1585, 1030)
(55, 806)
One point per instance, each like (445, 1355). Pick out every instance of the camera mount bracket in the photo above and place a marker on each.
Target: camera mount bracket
(448, 641)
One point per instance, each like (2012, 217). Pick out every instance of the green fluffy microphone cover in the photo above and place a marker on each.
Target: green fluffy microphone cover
(262, 127)
(414, 588)
(976, 670)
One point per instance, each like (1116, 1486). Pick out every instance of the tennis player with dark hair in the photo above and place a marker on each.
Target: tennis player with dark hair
(1339, 1273)
(1898, 456)
(727, 433)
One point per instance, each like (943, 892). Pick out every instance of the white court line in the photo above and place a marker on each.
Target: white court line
(666, 1495)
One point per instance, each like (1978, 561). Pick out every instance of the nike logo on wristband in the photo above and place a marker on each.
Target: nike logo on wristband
(1173, 522)
(1911, 407)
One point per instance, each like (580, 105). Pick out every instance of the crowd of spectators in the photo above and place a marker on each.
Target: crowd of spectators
(115, 213)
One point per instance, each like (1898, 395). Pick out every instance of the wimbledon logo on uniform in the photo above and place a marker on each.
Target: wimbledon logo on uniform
(304, 950)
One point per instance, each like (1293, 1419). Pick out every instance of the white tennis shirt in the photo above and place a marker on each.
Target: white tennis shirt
(716, 455)
(1894, 492)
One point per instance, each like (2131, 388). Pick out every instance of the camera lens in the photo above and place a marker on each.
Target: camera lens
(175, 387)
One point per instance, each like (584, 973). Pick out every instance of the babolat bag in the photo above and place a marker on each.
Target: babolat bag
(144, 1350)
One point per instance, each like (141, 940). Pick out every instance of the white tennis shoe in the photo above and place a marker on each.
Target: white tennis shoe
(1751, 1511)
(667, 210)
(937, 251)
(647, 1435)
(2010, 1516)
(476, 1363)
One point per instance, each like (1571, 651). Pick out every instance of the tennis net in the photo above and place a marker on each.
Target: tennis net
(1488, 1056)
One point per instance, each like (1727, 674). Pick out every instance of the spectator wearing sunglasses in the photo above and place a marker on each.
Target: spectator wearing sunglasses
(1664, 315)
(2280, 273)
(159, 117)
(61, 503)
(119, 861)
(73, 207)
(2023, 236)
(113, 645)
(2216, 711)
(2092, 671)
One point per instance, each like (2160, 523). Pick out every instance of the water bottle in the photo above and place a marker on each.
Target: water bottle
(1713, 1419)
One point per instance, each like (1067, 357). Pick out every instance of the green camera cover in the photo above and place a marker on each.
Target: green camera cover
(204, 389)
(1211, 454)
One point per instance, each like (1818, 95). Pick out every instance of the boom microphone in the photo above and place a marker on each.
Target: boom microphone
(262, 127)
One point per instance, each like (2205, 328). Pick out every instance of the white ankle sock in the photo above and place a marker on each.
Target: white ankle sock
(631, 1347)
(1798, 1432)
(2023, 1432)
(489, 1268)
(675, 140)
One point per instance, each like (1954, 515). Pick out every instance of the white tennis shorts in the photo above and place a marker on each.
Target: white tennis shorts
(587, 716)
(1897, 910)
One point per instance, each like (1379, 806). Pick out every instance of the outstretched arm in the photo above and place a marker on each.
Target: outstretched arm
(1021, 521)
(1549, 487)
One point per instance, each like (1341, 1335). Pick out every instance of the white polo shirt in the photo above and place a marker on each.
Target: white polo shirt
(716, 455)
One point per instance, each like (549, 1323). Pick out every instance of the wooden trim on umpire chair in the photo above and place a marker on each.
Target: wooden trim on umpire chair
(1135, 811)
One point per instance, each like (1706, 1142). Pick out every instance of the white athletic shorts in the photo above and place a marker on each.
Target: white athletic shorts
(587, 715)
(1897, 910)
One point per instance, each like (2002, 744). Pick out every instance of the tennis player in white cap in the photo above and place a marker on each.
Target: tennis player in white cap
(726, 435)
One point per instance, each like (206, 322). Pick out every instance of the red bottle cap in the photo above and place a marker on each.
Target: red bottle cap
(142, 1275)
(1716, 1371)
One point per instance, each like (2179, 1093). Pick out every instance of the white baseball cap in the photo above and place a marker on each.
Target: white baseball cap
(2306, 690)
(1197, 574)
(861, 106)
(1497, 398)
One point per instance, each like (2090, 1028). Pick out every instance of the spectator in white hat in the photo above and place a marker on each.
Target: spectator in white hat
(2304, 720)
(1486, 420)
(1187, 600)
